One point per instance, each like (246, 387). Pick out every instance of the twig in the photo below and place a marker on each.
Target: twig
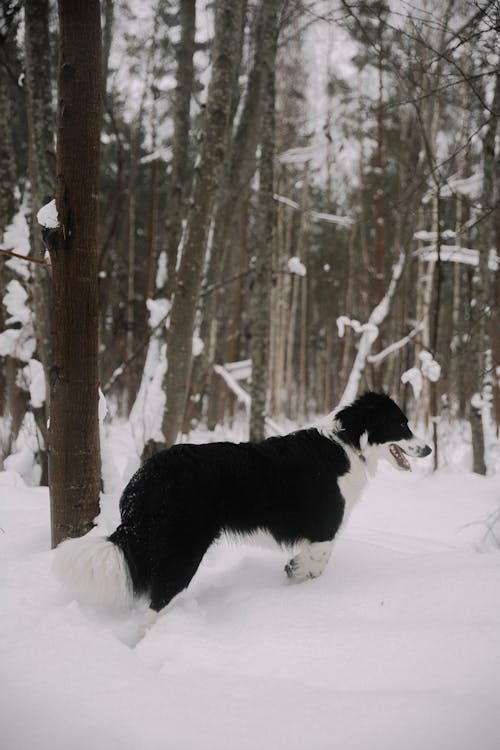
(118, 372)
(27, 258)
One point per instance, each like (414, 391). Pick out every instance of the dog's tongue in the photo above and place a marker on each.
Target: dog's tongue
(400, 457)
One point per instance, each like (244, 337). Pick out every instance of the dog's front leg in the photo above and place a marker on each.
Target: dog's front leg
(310, 561)
(147, 622)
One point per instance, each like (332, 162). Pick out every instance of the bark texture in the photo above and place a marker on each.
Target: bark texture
(74, 459)
(8, 170)
(178, 179)
(233, 194)
(207, 170)
(262, 282)
(42, 178)
(483, 343)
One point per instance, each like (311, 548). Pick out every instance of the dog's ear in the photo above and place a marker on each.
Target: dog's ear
(352, 421)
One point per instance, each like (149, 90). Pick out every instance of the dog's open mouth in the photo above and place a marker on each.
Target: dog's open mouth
(399, 456)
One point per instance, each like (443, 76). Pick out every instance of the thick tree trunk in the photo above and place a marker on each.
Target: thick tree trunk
(74, 460)
(262, 282)
(207, 171)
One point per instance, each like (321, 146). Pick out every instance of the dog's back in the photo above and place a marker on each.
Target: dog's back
(180, 501)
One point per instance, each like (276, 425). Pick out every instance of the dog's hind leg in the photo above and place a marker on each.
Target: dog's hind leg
(170, 577)
(310, 561)
(174, 571)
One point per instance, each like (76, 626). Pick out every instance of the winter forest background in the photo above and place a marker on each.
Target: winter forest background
(308, 190)
(220, 219)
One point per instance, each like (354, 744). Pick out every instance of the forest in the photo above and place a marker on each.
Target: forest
(243, 212)
(221, 221)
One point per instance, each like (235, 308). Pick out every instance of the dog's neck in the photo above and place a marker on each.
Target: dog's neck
(332, 428)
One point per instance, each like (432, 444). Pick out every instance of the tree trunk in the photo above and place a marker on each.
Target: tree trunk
(214, 141)
(232, 198)
(8, 201)
(262, 282)
(42, 178)
(8, 207)
(107, 39)
(176, 196)
(74, 460)
(482, 344)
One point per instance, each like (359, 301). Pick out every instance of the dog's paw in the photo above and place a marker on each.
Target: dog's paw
(299, 569)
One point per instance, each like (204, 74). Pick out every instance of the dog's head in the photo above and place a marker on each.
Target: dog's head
(377, 427)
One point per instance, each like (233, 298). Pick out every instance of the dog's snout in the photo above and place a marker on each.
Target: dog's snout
(424, 451)
(415, 447)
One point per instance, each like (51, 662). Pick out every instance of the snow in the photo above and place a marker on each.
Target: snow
(17, 238)
(161, 273)
(239, 371)
(47, 216)
(430, 368)
(369, 333)
(198, 345)
(102, 407)
(158, 311)
(395, 346)
(477, 401)
(413, 376)
(343, 221)
(296, 266)
(34, 376)
(395, 646)
(18, 343)
(21, 461)
(14, 302)
(471, 187)
(457, 254)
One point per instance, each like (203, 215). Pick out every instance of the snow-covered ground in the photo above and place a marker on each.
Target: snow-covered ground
(395, 647)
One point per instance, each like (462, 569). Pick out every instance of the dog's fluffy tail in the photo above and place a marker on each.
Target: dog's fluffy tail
(94, 571)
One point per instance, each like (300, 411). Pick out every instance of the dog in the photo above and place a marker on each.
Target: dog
(299, 488)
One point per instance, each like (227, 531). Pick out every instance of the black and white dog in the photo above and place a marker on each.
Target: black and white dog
(299, 488)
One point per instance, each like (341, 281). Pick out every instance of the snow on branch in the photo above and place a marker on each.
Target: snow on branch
(357, 327)
(369, 334)
(429, 368)
(457, 254)
(233, 385)
(296, 266)
(47, 216)
(343, 221)
(375, 359)
(243, 397)
(470, 187)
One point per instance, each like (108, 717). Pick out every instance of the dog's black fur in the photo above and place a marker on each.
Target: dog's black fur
(183, 498)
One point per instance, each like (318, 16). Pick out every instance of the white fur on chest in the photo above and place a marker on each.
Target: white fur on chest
(353, 483)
